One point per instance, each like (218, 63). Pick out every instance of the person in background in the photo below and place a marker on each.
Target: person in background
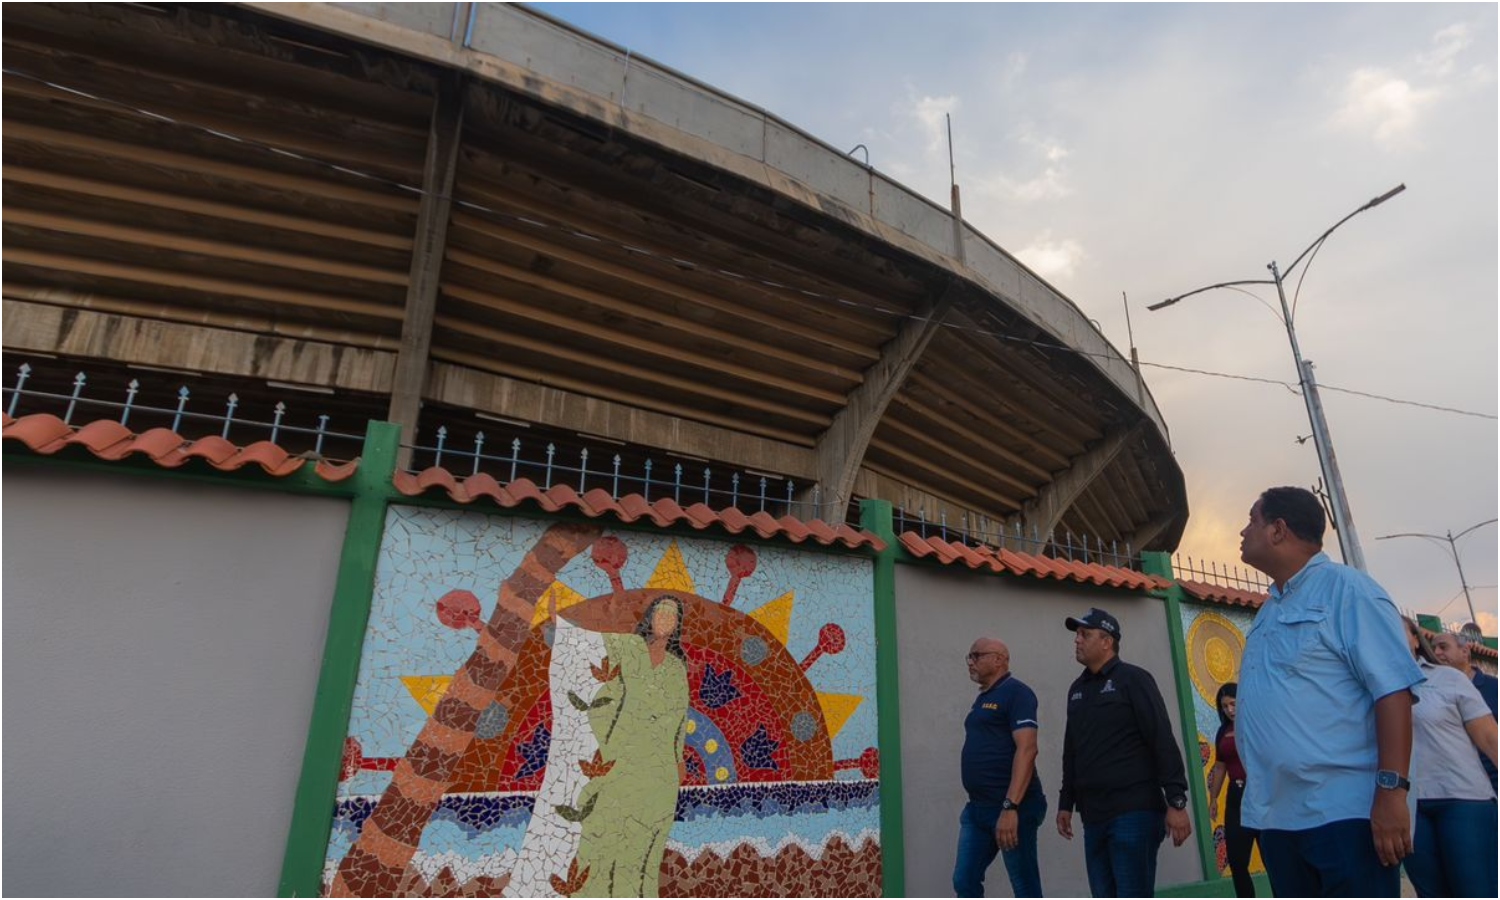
(1121, 765)
(1457, 650)
(1456, 834)
(1238, 840)
(1006, 805)
(1324, 726)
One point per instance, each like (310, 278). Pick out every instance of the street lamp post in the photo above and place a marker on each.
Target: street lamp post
(1343, 518)
(1452, 540)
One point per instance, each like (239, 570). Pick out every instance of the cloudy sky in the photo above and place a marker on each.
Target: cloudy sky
(1154, 149)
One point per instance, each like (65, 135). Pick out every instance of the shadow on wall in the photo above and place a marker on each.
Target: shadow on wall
(939, 613)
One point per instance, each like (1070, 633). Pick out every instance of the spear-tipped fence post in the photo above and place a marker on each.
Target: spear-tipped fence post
(707, 500)
(233, 403)
(734, 490)
(322, 427)
(583, 468)
(790, 488)
(817, 501)
(442, 439)
(677, 484)
(280, 410)
(22, 374)
(78, 382)
(182, 399)
(647, 489)
(762, 493)
(551, 452)
(478, 451)
(515, 456)
(614, 490)
(130, 391)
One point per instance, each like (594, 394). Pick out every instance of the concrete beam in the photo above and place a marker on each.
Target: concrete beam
(443, 140)
(1046, 509)
(198, 348)
(841, 448)
(1145, 534)
(527, 401)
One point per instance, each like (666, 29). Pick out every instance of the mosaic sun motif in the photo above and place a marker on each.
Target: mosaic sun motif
(599, 765)
(1214, 648)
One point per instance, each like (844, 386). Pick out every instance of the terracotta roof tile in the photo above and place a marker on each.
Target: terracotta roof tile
(1037, 566)
(664, 512)
(1214, 593)
(109, 440)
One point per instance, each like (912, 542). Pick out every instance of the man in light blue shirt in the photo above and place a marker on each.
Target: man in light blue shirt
(1325, 721)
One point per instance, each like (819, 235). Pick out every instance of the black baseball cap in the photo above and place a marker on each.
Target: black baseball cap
(1096, 618)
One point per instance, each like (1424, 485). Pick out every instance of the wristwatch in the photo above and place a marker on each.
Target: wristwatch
(1177, 802)
(1007, 804)
(1388, 780)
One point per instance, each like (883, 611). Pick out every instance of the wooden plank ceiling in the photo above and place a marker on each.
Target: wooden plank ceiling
(205, 167)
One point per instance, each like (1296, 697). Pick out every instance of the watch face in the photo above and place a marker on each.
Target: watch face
(1178, 803)
(1388, 780)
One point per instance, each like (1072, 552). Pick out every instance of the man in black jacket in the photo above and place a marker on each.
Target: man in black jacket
(1121, 766)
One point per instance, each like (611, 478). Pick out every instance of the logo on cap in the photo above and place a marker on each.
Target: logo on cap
(1096, 618)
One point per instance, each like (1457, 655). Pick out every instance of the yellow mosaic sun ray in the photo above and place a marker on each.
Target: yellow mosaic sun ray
(777, 616)
(565, 597)
(837, 708)
(672, 573)
(427, 690)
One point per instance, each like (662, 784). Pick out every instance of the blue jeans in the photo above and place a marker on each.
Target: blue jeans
(1333, 860)
(977, 849)
(1121, 854)
(1455, 849)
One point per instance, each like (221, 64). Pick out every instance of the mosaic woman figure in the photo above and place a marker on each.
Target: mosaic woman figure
(639, 718)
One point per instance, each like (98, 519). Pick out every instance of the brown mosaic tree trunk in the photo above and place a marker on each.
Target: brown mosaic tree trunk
(390, 836)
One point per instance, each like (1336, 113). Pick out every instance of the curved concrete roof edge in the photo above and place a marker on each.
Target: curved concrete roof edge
(543, 57)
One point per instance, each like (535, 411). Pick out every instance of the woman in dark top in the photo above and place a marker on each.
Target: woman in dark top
(1237, 840)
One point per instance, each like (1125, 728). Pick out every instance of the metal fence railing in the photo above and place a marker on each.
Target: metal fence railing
(976, 530)
(186, 415)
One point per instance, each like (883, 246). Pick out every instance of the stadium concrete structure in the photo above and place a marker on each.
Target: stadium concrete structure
(476, 218)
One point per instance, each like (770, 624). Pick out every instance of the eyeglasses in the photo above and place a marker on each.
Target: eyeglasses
(974, 657)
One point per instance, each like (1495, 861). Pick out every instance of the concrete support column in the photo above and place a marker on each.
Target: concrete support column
(410, 382)
(841, 448)
(1044, 511)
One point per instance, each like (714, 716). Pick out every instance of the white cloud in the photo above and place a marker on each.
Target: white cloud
(1053, 259)
(932, 113)
(1050, 184)
(1448, 43)
(1015, 67)
(1384, 105)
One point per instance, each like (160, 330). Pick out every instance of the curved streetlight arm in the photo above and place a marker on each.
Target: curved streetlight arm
(1324, 236)
(1472, 527)
(1213, 287)
(1451, 540)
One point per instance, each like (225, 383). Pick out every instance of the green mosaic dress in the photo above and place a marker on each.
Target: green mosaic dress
(641, 731)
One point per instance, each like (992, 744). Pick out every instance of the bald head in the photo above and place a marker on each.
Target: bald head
(989, 660)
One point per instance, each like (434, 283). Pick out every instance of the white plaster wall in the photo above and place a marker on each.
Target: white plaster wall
(939, 613)
(162, 642)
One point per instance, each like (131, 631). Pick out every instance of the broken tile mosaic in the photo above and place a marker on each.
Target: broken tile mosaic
(549, 709)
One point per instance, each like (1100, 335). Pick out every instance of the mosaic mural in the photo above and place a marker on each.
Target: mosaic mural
(562, 710)
(1215, 645)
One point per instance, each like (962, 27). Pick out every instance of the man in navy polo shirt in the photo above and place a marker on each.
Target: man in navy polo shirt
(1006, 805)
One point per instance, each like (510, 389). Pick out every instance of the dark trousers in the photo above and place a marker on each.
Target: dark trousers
(1333, 860)
(1455, 849)
(977, 849)
(1238, 841)
(1120, 854)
